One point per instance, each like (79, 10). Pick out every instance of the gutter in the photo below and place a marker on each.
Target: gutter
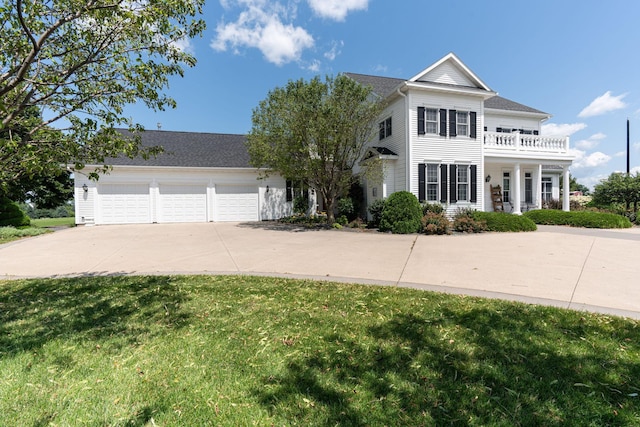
(406, 140)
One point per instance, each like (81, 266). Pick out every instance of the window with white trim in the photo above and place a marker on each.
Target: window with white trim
(462, 123)
(547, 189)
(462, 184)
(506, 187)
(528, 188)
(385, 128)
(431, 120)
(432, 182)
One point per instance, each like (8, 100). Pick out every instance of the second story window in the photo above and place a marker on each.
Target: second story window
(385, 128)
(462, 123)
(431, 120)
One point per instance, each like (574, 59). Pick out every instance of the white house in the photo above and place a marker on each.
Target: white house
(448, 138)
(200, 177)
(444, 136)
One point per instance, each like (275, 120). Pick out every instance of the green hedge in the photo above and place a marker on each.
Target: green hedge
(584, 219)
(499, 221)
(12, 215)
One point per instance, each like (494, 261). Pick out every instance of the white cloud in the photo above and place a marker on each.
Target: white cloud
(380, 69)
(603, 104)
(261, 26)
(314, 67)
(593, 160)
(334, 51)
(336, 9)
(564, 129)
(591, 142)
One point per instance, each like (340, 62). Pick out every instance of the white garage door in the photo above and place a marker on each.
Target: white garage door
(236, 203)
(124, 203)
(182, 203)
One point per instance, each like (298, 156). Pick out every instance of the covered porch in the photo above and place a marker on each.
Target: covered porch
(525, 185)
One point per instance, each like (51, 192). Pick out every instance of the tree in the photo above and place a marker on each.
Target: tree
(79, 63)
(618, 188)
(574, 185)
(48, 188)
(315, 132)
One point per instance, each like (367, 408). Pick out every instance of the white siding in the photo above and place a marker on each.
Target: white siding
(173, 195)
(447, 73)
(433, 148)
(493, 121)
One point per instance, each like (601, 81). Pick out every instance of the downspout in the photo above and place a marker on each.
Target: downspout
(407, 148)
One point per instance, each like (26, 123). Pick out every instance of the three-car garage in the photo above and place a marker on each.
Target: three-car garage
(198, 178)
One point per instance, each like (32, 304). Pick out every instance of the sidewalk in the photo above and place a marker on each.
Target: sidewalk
(594, 270)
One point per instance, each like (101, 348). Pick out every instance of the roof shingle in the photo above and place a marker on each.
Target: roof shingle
(190, 149)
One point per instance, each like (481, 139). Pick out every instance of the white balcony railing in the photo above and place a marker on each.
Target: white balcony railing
(532, 143)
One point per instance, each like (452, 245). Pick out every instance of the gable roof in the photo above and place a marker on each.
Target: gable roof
(190, 149)
(450, 70)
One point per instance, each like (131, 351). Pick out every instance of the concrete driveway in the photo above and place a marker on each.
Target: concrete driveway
(594, 270)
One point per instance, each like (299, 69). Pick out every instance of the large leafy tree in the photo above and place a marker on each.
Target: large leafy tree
(316, 132)
(79, 63)
(619, 188)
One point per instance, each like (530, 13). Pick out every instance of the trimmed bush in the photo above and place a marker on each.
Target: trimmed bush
(464, 222)
(432, 207)
(375, 209)
(12, 215)
(402, 214)
(584, 219)
(435, 223)
(499, 221)
(346, 208)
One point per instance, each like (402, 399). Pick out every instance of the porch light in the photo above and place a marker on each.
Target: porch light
(488, 178)
(85, 188)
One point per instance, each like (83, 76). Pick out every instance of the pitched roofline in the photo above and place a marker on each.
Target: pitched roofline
(452, 57)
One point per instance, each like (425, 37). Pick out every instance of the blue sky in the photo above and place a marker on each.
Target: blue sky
(577, 60)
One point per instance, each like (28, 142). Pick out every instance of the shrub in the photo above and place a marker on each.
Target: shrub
(300, 205)
(402, 214)
(500, 221)
(584, 219)
(432, 207)
(342, 220)
(464, 222)
(375, 209)
(435, 223)
(346, 208)
(11, 214)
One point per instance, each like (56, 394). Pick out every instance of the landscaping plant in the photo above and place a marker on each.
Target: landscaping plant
(402, 213)
(585, 219)
(500, 221)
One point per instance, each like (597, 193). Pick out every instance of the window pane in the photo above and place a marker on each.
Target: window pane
(432, 115)
(432, 173)
(462, 191)
(431, 122)
(462, 174)
(432, 192)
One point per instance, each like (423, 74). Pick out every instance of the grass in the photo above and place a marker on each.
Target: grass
(38, 227)
(9, 234)
(54, 222)
(236, 351)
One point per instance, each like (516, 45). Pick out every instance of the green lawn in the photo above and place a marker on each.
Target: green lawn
(236, 351)
(54, 222)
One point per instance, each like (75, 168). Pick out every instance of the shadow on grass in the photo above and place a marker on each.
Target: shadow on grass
(35, 312)
(522, 366)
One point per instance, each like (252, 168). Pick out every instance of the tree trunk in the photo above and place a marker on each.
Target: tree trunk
(329, 205)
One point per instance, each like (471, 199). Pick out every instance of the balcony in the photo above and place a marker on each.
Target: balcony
(516, 143)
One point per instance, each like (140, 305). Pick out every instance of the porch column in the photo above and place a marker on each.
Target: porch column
(539, 188)
(565, 188)
(516, 189)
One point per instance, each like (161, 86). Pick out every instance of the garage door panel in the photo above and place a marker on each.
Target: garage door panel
(182, 203)
(236, 203)
(124, 203)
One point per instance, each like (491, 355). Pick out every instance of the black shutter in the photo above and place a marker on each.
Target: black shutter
(443, 183)
(453, 187)
(452, 123)
(472, 131)
(289, 192)
(421, 182)
(421, 129)
(474, 183)
(443, 122)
